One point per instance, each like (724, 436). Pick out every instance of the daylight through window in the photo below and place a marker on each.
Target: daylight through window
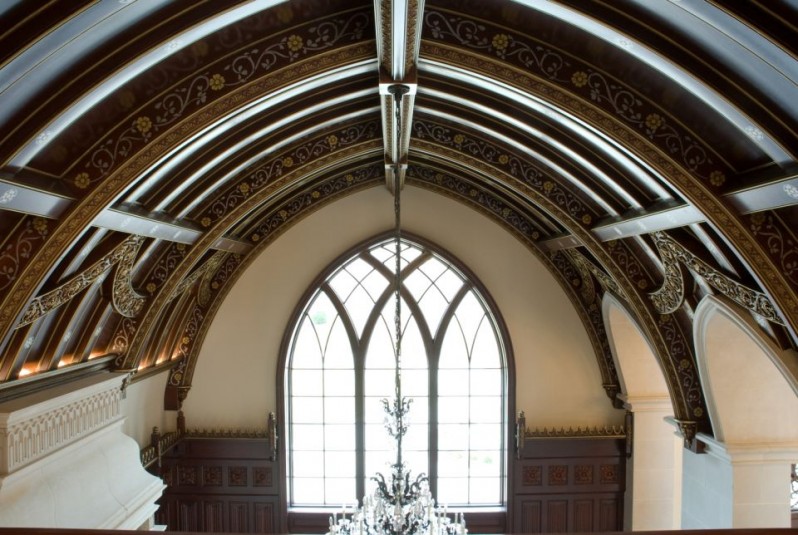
(340, 365)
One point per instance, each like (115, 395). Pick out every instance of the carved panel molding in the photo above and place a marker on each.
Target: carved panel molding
(28, 435)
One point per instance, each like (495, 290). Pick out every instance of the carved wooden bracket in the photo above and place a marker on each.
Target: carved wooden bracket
(671, 295)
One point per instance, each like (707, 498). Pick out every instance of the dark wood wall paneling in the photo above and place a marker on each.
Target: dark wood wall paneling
(220, 485)
(569, 485)
(232, 484)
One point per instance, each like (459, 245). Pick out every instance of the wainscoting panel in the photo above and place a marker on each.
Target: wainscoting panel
(569, 484)
(220, 485)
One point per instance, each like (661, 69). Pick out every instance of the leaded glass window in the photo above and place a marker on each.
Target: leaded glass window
(341, 362)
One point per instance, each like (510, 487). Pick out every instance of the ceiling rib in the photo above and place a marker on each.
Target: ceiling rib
(130, 219)
(398, 42)
(770, 196)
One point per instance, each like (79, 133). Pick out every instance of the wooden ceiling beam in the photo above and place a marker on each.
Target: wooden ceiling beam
(772, 195)
(130, 219)
(399, 24)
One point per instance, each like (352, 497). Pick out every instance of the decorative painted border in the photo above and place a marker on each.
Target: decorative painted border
(586, 267)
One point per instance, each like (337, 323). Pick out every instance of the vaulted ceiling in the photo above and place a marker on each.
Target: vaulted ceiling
(151, 149)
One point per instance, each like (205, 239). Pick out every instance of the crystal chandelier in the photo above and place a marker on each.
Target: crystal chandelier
(399, 505)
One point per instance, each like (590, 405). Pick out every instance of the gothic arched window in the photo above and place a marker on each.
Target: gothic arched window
(340, 363)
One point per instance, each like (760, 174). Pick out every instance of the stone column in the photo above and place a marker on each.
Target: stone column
(653, 490)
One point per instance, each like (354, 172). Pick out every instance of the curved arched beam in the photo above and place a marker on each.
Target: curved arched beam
(654, 134)
(105, 173)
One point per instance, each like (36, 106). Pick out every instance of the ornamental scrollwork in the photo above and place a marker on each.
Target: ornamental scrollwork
(203, 271)
(671, 295)
(606, 282)
(587, 288)
(125, 300)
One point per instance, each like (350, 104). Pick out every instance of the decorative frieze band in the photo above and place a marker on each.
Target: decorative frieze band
(31, 432)
(205, 271)
(671, 295)
(584, 265)
(126, 301)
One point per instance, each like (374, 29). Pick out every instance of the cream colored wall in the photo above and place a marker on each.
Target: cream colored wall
(558, 381)
(143, 409)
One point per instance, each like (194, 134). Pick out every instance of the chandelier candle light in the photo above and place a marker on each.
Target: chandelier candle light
(398, 506)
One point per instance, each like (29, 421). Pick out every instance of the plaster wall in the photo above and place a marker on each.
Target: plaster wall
(142, 409)
(558, 380)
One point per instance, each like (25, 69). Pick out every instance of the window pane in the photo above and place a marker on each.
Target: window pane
(433, 305)
(308, 464)
(416, 438)
(433, 268)
(380, 383)
(359, 307)
(453, 410)
(379, 461)
(374, 412)
(306, 382)
(414, 354)
(419, 410)
(449, 284)
(381, 354)
(339, 464)
(486, 382)
(453, 352)
(417, 462)
(486, 463)
(339, 410)
(375, 283)
(453, 382)
(485, 490)
(377, 437)
(415, 383)
(359, 268)
(486, 409)
(339, 382)
(307, 410)
(452, 490)
(306, 352)
(486, 351)
(343, 283)
(338, 352)
(339, 490)
(452, 436)
(307, 437)
(417, 283)
(452, 463)
(308, 491)
(322, 315)
(339, 437)
(469, 314)
(486, 437)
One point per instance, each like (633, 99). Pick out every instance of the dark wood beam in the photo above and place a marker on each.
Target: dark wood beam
(774, 194)
(130, 219)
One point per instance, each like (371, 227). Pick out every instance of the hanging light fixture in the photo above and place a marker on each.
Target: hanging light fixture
(399, 504)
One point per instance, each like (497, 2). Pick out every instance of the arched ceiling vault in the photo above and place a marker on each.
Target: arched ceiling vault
(150, 150)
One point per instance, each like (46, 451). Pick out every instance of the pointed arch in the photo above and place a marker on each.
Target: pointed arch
(745, 376)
